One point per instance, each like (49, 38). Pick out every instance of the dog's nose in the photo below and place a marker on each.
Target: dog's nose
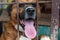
(30, 11)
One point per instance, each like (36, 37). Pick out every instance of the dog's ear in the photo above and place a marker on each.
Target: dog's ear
(9, 8)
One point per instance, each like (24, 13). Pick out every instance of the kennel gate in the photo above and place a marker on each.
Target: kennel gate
(54, 16)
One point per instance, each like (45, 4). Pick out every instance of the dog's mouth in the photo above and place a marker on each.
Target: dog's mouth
(28, 18)
(28, 26)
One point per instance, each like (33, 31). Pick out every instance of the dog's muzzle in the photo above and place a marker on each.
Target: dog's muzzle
(28, 16)
(30, 13)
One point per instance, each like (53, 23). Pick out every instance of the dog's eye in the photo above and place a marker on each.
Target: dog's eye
(21, 5)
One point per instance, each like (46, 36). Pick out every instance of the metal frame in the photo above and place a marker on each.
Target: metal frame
(37, 18)
(54, 17)
(55, 20)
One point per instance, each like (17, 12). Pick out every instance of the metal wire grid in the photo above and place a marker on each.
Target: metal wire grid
(17, 11)
(37, 15)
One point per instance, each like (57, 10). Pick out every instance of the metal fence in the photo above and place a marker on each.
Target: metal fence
(54, 15)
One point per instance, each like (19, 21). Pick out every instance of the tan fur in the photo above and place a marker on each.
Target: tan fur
(9, 32)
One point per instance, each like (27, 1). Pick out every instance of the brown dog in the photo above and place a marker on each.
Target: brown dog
(10, 33)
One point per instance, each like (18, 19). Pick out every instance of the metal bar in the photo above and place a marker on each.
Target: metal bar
(44, 1)
(7, 3)
(17, 18)
(37, 18)
(55, 20)
(27, 2)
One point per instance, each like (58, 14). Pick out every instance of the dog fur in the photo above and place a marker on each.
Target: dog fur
(10, 33)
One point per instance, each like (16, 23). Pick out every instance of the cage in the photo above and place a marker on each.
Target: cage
(47, 18)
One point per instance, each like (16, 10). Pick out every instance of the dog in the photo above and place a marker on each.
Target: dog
(26, 13)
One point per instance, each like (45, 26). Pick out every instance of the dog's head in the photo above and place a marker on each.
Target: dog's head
(25, 11)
